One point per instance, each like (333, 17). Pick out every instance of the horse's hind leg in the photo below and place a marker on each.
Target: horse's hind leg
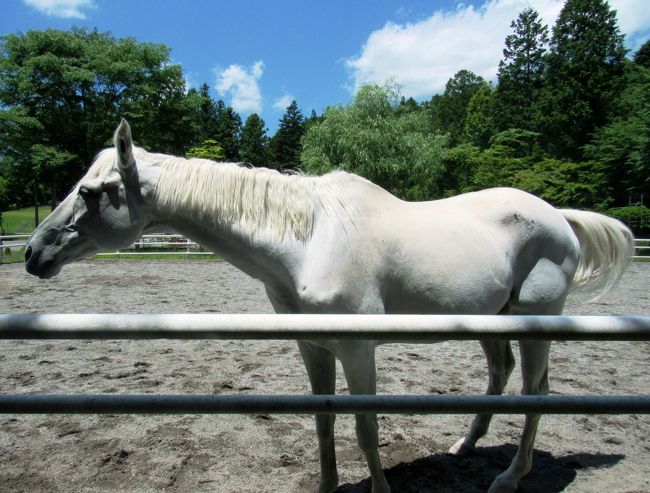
(534, 368)
(500, 362)
(321, 368)
(542, 293)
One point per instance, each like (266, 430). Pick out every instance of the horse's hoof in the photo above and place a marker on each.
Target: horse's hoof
(381, 487)
(503, 485)
(460, 449)
(327, 486)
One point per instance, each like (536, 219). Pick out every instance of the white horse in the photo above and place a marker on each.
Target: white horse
(339, 244)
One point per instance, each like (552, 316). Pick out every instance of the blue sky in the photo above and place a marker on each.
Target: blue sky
(258, 55)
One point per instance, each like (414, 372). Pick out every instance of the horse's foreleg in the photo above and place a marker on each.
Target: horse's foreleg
(534, 368)
(359, 367)
(500, 363)
(321, 368)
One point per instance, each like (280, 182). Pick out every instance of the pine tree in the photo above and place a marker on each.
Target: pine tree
(520, 75)
(254, 146)
(642, 57)
(584, 74)
(449, 111)
(228, 131)
(207, 112)
(286, 141)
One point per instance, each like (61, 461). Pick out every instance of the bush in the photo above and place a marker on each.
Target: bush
(636, 217)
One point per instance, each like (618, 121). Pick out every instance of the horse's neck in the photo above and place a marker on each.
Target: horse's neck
(250, 244)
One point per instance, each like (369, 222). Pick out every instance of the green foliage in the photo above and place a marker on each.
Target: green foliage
(480, 122)
(636, 217)
(394, 149)
(642, 57)
(66, 91)
(497, 166)
(228, 131)
(623, 145)
(449, 111)
(566, 184)
(584, 69)
(458, 169)
(254, 148)
(209, 149)
(569, 119)
(521, 72)
(285, 145)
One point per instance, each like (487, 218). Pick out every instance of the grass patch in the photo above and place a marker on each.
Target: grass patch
(22, 220)
(12, 256)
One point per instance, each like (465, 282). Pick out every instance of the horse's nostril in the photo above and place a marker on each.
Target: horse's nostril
(28, 253)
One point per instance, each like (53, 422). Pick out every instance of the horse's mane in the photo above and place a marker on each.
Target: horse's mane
(256, 201)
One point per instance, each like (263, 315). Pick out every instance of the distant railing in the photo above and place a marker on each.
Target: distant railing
(161, 244)
(641, 248)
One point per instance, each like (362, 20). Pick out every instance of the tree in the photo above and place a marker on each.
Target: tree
(449, 111)
(479, 123)
(209, 149)
(642, 57)
(285, 145)
(520, 75)
(584, 73)
(623, 145)
(254, 147)
(566, 183)
(228, 131)
(395, 150)
(66, 90)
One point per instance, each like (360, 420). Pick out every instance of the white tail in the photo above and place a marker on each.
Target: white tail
(606, 249)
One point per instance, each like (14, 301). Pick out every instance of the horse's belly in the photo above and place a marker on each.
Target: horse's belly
(454, 301)
(473, 286)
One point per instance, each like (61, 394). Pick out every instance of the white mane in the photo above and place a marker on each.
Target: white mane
(254, 200)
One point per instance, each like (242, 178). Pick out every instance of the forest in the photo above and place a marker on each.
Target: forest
(567, 118)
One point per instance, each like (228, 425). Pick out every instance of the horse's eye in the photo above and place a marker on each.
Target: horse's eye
(86, 192)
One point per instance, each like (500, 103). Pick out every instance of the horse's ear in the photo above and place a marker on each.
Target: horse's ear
(124, 146)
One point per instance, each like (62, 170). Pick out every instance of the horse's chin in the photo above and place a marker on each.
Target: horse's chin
(44, 270)
(50, 272)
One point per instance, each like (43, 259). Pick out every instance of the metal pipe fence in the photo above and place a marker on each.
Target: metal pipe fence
(385, 328)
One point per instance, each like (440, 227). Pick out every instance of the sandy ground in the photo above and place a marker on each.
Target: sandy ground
(278, 453)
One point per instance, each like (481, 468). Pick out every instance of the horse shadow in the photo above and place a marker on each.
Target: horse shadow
(445, 473)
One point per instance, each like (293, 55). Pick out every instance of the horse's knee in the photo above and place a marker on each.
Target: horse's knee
(500, 374)
(536, 384)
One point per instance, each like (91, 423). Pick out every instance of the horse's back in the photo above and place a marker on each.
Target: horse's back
(468, 253)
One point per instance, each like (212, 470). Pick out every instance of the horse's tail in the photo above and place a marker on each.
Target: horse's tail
(606, 249)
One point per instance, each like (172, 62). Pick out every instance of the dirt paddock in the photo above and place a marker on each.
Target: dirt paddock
(278, 453)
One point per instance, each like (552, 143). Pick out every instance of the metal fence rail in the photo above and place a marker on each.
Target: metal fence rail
(422, 328)
(322, 404)
(414, 328)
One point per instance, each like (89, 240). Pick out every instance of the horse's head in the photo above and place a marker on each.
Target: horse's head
(104, 211)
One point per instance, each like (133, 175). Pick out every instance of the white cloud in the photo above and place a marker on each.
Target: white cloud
(634, 20)
(241, 84)
(422, 56)
(283, 102)
(66, 9)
